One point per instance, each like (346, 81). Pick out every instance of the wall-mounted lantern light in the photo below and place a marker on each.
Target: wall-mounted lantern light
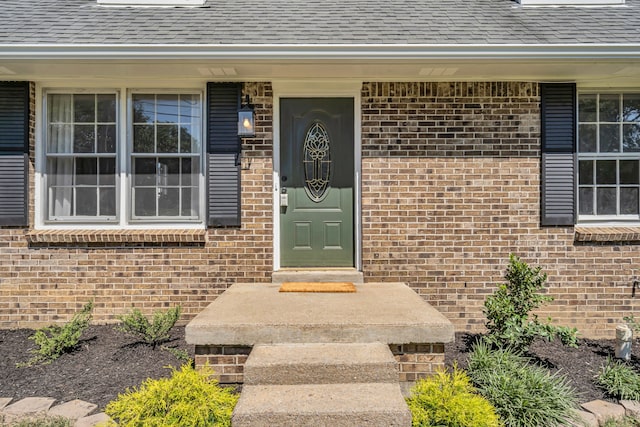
(246, 119)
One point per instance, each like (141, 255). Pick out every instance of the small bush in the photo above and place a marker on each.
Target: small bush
(619, 380)
(523, 394)
(188, 398)
(508, 310)
(152, 333)
(55, 340)
(621, 422)
(449, 400)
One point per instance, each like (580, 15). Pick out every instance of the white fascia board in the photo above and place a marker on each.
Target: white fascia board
(345, 52)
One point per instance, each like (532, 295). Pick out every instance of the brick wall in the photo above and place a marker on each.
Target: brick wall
(450, 187)
(48, 279)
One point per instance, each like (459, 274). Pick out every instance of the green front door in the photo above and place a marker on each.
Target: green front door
(316, 182)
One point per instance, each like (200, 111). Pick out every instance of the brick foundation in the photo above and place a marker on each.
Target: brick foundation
(416, 361)
(227, 362)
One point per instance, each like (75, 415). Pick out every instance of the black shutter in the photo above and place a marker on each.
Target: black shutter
(14, 153)
(558, 133)
(223, 154)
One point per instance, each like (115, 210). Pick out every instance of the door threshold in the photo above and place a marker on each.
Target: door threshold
(337, 274)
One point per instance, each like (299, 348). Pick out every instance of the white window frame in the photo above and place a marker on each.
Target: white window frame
(622, 219)
(124, 200)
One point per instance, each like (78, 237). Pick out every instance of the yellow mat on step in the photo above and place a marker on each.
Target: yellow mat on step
(317, 287)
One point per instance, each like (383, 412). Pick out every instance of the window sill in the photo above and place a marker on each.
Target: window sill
(607, 234)
(117, 237)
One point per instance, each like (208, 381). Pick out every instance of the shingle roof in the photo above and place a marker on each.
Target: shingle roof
(317, 22)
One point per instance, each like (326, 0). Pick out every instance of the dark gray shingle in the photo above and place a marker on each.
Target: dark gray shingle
(311, 22)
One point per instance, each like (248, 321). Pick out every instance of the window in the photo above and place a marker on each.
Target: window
(89, 167)
(609, 156)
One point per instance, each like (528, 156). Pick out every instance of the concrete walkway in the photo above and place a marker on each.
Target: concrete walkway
(39, 407)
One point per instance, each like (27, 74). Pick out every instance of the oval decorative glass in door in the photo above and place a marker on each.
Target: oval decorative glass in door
(317, 162)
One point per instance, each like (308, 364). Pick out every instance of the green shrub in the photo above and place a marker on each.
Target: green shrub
(188, 398)
(55, 340)
(152, 333)
(449, 400)
(523, 394)
(619, 380)
(508, 310)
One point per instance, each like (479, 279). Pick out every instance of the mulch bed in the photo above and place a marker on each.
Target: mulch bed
(579, 365)
(107, 362)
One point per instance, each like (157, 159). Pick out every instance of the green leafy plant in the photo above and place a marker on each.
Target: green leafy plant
(154, 332)
(448, 399)
(619, 380)
(524, 395)
(187, 398)
(55, 340)
(510, 322)
(632, 322)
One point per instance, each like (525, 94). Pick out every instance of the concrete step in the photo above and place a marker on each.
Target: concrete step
(317, 275)
(320, 363)
(335, 405)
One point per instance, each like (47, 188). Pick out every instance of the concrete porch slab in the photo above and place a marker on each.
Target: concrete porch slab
(248, 314)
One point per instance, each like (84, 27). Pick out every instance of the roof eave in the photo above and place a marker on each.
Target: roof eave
(319, 51)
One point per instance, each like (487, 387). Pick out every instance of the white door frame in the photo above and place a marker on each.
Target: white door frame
(318, 89)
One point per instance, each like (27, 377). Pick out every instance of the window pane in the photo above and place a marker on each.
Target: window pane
(629, 172)
(84, 137)
(87, 171)
(629, 201)
(59, 139)
(169, 202)
(60, 201)
(188, 140)
(609, 108)
(106, 138)
(167, 138)
(143, 139)
(631, 138)
(606, 172)
(609, 138)
(587, 143)
(586, 172)
(190, 202)
(587, 108)
(631, 108)
(144, 172)
(86, 201)
(167, 109)
(60, 108)
(190, 171)
(606, 204)
(586, 201)
(84, 108)
(107, 108)
(144, 109)
(60, 171)
(107, 171)
(144, 202)
(170, 172)
(108, 201)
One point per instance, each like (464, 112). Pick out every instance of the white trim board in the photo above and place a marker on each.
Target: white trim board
(320, 89)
